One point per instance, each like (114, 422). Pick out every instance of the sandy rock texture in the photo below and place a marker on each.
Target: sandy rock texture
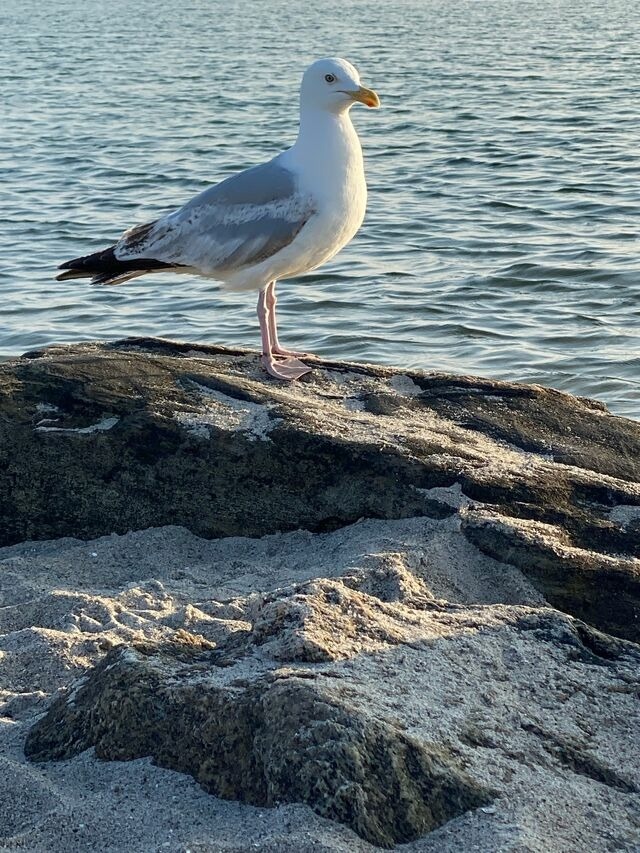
(426, 640)
(349, 709)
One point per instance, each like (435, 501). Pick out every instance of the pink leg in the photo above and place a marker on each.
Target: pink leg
(276, 348)
(290, 368)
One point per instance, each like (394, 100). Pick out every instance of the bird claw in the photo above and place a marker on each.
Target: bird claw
(281, 351)
(286, 370)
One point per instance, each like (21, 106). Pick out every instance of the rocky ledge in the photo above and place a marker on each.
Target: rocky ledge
(448, 651)
(96, 439)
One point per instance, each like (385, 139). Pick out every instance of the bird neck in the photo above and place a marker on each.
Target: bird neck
(326, 142)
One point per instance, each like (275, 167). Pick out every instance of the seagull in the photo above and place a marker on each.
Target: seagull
(267, 223)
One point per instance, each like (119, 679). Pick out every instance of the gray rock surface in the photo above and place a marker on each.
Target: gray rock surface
(382, 708)
(108, 438)
(431, 644)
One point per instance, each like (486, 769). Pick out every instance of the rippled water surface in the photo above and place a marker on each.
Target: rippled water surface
(504, 174)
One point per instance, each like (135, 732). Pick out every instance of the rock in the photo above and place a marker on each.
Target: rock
(380, 707)
(573, 579)
(275, 741)
(102, 438)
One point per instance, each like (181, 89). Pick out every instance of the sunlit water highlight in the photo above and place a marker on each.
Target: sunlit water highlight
(502, 231)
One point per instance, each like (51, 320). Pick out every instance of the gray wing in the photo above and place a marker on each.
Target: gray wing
(237, 223)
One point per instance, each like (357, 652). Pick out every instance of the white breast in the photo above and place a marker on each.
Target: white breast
(327, 162)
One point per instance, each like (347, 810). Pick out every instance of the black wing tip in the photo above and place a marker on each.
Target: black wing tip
(67, 265)
(104, 268)
(75, 268)
(72, 274)
(80, 263)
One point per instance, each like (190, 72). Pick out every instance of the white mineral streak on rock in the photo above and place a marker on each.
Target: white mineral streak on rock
(353, 404)
(450, 495)
(102, 426)
(227, 413)
(625, 514)
(404, 385)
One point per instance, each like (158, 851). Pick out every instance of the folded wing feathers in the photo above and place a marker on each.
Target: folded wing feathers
(217, 238)
(235, 224)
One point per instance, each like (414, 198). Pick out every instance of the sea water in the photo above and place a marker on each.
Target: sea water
(501, 236)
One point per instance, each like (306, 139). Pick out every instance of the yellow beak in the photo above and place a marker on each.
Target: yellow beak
(366, 96)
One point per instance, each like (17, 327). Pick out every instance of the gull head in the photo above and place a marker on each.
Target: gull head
(334, 85)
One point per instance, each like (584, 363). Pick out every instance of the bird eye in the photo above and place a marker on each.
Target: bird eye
(330, 78)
